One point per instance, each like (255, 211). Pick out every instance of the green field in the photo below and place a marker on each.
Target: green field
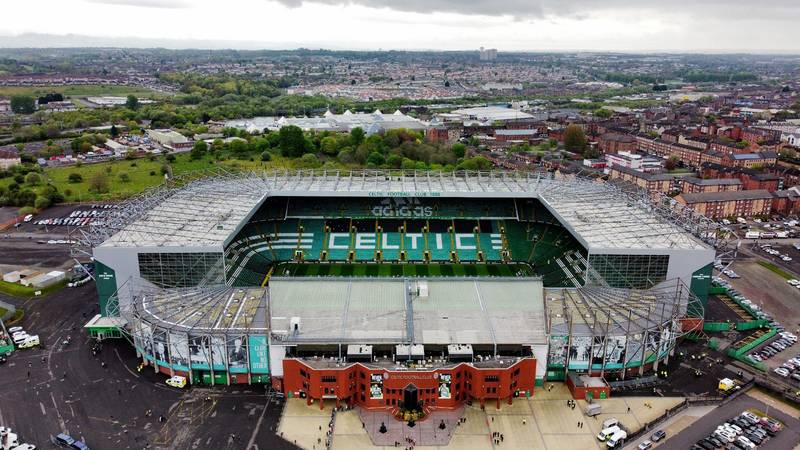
(18, 290)
(82, 90)
(401, 270)
(775, 269)
(142, 173)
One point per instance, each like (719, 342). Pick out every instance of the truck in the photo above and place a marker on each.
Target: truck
(767, 235)
(752, 235)
(593, 409)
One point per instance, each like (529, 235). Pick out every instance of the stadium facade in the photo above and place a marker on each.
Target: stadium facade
(359, 285)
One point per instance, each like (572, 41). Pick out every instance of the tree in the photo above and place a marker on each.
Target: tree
(198, 150)
(41, 202)
(671, 163)
(23, 104)
(329, 145)
(394, 161)
(291, 141)
(114, 131)
(356, 136)
(574, 139)
(459, 149)
(75, 178)
(375, 158)
(124, 177)
(132, 103)
(447, 83)
(603, 113)
(33, 178)
(98, 183)
(266, 156)
(310, 160)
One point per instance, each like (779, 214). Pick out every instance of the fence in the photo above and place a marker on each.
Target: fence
(717, 326)
(634, 384)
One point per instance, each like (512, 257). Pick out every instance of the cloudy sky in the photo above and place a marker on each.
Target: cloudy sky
(613, 25)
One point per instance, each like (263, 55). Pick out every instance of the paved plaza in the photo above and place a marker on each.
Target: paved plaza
(541, 422)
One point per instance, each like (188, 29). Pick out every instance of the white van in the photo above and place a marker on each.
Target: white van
(32, 341)
(617, 439)
(607, 433)
(608, 423)
(20, 338)
(752, 235)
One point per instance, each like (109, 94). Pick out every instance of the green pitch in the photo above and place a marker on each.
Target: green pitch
(402, 270)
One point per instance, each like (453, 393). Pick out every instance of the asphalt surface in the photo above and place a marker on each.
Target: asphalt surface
(785, 439)
(104, 400)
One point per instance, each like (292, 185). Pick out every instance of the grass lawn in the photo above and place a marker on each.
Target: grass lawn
(142, 174)
(775, 269)
(82, 90)
(401, 270)
(18, 290)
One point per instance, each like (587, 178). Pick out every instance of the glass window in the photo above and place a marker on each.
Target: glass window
(629, 271)
(171, 270)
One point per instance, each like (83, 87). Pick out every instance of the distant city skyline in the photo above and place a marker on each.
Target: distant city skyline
(702, 26)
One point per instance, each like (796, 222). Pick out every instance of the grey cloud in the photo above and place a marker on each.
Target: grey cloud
(162, 4)
(576, 9)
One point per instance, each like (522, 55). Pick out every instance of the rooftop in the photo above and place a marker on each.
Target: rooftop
(205, 310)
(391, 311)
(701, 197)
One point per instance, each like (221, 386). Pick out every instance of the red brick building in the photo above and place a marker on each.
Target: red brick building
(696, 185)
(372, 386)
(616, 142)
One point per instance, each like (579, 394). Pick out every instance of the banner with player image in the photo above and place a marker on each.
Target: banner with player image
(598, 350)
(146, 333)
(160, 347)
(445, 380)
(376, 386)
(218, 353)
(557, 354)
(615, 352)
(579, 352)
(200, 352)
(179, 347)
(633, 354)
(237, 354)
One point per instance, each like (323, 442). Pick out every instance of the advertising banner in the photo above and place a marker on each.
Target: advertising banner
(259, 354)
(444, 385)
(376, 386)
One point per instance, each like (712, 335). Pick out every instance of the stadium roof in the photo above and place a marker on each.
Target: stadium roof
(596, 310)
(372, 311)
(209, 211)
(218, 309)
(491, 113)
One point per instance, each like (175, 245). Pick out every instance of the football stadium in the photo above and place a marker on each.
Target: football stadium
(389, 289)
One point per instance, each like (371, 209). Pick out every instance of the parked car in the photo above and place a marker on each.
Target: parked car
(658, 435)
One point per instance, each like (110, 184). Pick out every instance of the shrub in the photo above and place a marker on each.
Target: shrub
(75, 178)
(41, 202)
(124, 177)
(33, 178)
